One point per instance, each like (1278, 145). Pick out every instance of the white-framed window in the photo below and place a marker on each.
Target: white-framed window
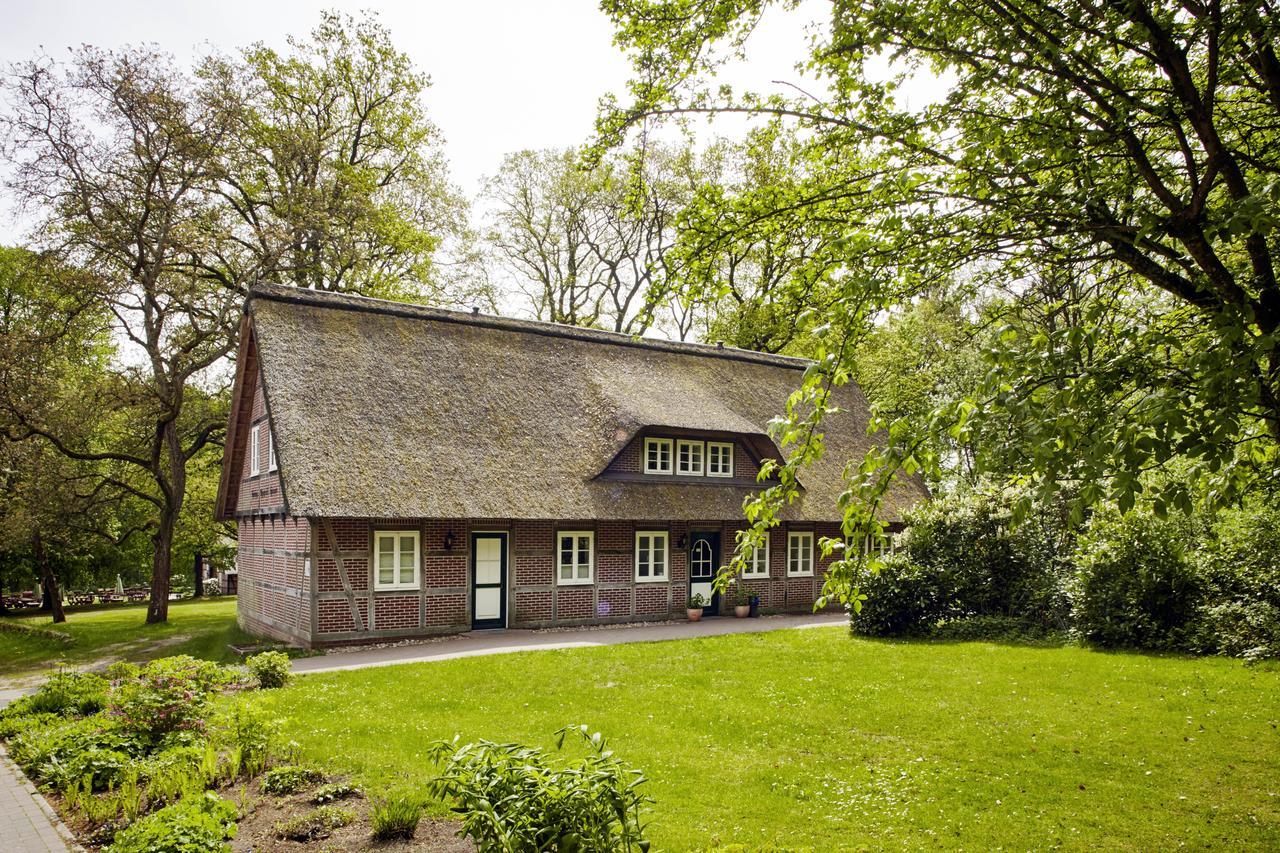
(652, 555)
(395, 559)
(689, 458)
(657, 456)
(576, 557)
(758, 564)
(254, 465)
(799, 555)
(719, 459)
(271, 450)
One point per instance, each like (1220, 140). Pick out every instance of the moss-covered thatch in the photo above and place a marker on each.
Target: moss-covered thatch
(387, 410)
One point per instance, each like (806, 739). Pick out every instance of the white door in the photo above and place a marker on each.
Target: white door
(488, 580)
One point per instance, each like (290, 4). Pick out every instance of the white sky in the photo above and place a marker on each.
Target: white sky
(506, 74)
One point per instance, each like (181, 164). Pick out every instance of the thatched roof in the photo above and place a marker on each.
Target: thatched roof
(382, 409)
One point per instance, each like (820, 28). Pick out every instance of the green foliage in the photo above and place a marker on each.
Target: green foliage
(271, 669)
(196, 824)
(69, 693)
(1086, 194)
(902, 599)
(395, 819)
(511, 797)
(289, 779)
(334, 791)
(315, 824)
(1136, 584)
(168, 695)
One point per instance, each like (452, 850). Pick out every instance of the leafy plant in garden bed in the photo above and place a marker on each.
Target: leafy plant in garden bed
(135, 755)
(511, 797)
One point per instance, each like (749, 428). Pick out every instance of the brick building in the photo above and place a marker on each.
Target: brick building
(398, 471)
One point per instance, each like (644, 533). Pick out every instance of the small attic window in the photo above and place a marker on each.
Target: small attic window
(271, 451)
(657, 456)
(689, 458)
(719, 459)
(254, 466)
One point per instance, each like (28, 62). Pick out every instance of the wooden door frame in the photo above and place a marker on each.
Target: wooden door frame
(505, 538)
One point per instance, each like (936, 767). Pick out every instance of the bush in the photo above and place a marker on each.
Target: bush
(250, 735)
(1135, 586)
(50, 754)
(511, 798)
(395, 819)
(902, 599)
(985, 565)
(195, 824)
(69, 693)
(289, 779)
(318, 823)
(271, 669)
(1242, 629)
(167, 695)
(212, 588)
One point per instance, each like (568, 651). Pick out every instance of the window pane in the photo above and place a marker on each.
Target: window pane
(386, 560)
(386, 575)
(386, 543)
(566, 572)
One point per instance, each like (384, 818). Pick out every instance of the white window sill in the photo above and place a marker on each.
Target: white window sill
(587, 582)
(662, 579)
(800, 574)
(396, 588)
(747, 577)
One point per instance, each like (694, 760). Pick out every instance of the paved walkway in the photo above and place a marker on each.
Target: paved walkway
(27, 822)
(502, 642)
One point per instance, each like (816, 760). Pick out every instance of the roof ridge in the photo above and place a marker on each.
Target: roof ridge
(352, 302)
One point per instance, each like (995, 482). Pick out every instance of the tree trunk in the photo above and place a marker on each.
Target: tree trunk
(48, 580)
(161, 564)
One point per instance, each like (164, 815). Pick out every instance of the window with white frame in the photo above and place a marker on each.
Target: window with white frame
(719, 459)
(652, 555)
(799, 554)
(576, 559)
(395, 554)
(271, 450)
(758, 564)
(689, 458)
(657, 456)
(254, 466)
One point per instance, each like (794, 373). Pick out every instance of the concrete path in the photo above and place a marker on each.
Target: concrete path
(502, 642)
(27, 822)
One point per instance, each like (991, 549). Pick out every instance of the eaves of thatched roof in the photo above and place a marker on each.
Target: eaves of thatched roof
(388, 410)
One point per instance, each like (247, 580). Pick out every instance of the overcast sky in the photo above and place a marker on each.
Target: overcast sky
(506, 74)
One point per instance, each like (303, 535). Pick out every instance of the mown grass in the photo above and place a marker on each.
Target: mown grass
(811, 739)
(202, 628)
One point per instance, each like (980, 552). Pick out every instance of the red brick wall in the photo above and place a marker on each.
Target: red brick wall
(273, 556)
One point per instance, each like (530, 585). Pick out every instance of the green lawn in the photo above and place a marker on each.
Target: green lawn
(200, 627)
(810, 739)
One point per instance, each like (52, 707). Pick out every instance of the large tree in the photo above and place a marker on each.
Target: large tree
(589, 244)
(336, 175)
(1118, 162)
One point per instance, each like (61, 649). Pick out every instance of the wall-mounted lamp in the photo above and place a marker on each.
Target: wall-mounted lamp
(448, 541)
(680, 541)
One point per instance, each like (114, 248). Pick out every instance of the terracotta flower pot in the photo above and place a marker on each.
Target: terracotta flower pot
(695, 614)
(742, 611)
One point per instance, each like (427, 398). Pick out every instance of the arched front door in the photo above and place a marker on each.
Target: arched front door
(704, 562)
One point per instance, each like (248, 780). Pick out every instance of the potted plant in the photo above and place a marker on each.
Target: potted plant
(742, 602)
(754, 606)
(696, 603)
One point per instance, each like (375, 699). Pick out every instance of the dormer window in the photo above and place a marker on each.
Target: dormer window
(719, 459)
(657, 456)
(689, 458)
